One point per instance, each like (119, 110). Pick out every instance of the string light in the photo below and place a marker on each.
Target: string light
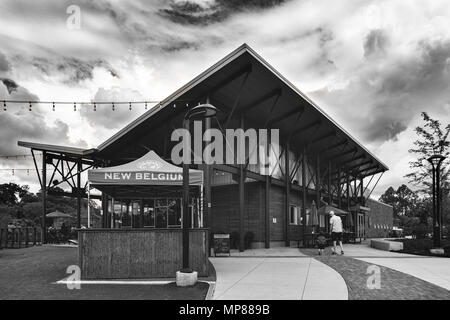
(94, 103)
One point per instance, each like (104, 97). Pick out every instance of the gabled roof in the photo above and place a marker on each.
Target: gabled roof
(296, 99)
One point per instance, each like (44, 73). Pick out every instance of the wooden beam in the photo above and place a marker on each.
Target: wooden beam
(299, 110)
(297, 131)
(236, 100)
(274, 93)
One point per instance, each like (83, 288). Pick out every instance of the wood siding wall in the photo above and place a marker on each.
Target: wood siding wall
(225, 211)
(139, 253)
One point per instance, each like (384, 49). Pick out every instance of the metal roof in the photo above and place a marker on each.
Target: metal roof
(57, 149)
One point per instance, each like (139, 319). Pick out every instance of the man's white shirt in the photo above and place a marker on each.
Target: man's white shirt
(336, 224)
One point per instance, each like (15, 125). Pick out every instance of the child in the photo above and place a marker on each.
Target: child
(321, 242)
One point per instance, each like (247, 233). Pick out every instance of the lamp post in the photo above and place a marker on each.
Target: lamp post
(436, 161)
(199, 112)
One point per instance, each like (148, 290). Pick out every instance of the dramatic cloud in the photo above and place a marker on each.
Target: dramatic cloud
(372, 65)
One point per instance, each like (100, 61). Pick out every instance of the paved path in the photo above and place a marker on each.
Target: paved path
(279, 273)
(435, 270)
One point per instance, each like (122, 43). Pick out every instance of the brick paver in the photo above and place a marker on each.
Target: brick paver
(395, 285)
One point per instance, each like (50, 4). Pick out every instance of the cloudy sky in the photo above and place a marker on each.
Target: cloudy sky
(372, 65)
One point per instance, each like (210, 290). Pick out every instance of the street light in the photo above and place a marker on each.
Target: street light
(199, 112)
(436, 161)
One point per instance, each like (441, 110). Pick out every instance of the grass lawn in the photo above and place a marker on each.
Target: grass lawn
(30, 273)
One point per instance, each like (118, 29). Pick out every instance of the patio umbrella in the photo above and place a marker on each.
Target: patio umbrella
(58, 214)
(314, 219)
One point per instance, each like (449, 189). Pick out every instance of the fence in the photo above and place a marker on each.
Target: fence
(20, 237)
(139, 253)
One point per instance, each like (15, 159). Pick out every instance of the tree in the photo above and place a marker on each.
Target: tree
(10, 193)
(403, 200)
(432, 139)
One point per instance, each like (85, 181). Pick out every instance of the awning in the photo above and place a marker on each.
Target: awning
(150, 169)
(326, 209)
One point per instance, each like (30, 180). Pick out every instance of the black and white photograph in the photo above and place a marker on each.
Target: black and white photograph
(226, 156)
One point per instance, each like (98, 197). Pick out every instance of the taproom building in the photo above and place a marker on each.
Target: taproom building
(314, 166)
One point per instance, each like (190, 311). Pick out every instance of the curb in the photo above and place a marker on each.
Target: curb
(210, 293)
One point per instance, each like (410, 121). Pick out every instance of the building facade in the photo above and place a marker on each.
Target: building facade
(316, 164)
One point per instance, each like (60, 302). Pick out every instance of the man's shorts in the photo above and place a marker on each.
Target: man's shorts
(336, 236)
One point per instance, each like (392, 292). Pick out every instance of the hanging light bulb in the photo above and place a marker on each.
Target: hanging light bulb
(30, 106)
(145, 105)
(12, 171)
(4, 105)
(95, 107)
(174, 105)
(28, 172)
(113, 108)
(74, 106)
(53, 106)
(130, 105)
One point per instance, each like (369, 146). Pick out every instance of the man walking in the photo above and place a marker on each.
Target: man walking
(336, 231)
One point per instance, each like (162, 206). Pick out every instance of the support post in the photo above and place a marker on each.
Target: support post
(362, 192)
(241, 200)
(287, 179)
(339, 186)
(79, 169)
(44, 196)
(330, 194)
(304, 190)
(267, 212)
(318, 183)
(186, 220)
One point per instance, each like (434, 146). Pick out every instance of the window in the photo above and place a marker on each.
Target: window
(149, 213)
(174, 212)
(293, 215)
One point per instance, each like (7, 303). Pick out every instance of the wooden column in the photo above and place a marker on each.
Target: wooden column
(330, 193)
(207, 173)
(241, 199)
(304, 191)
(79, 168)
(339, 188)
(44, 196)
(267, 212)
(318, 182)
(362, 192)
(288, 193)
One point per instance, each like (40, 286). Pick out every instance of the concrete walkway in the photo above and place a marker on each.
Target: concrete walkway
(276, 274)
(435, 270)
